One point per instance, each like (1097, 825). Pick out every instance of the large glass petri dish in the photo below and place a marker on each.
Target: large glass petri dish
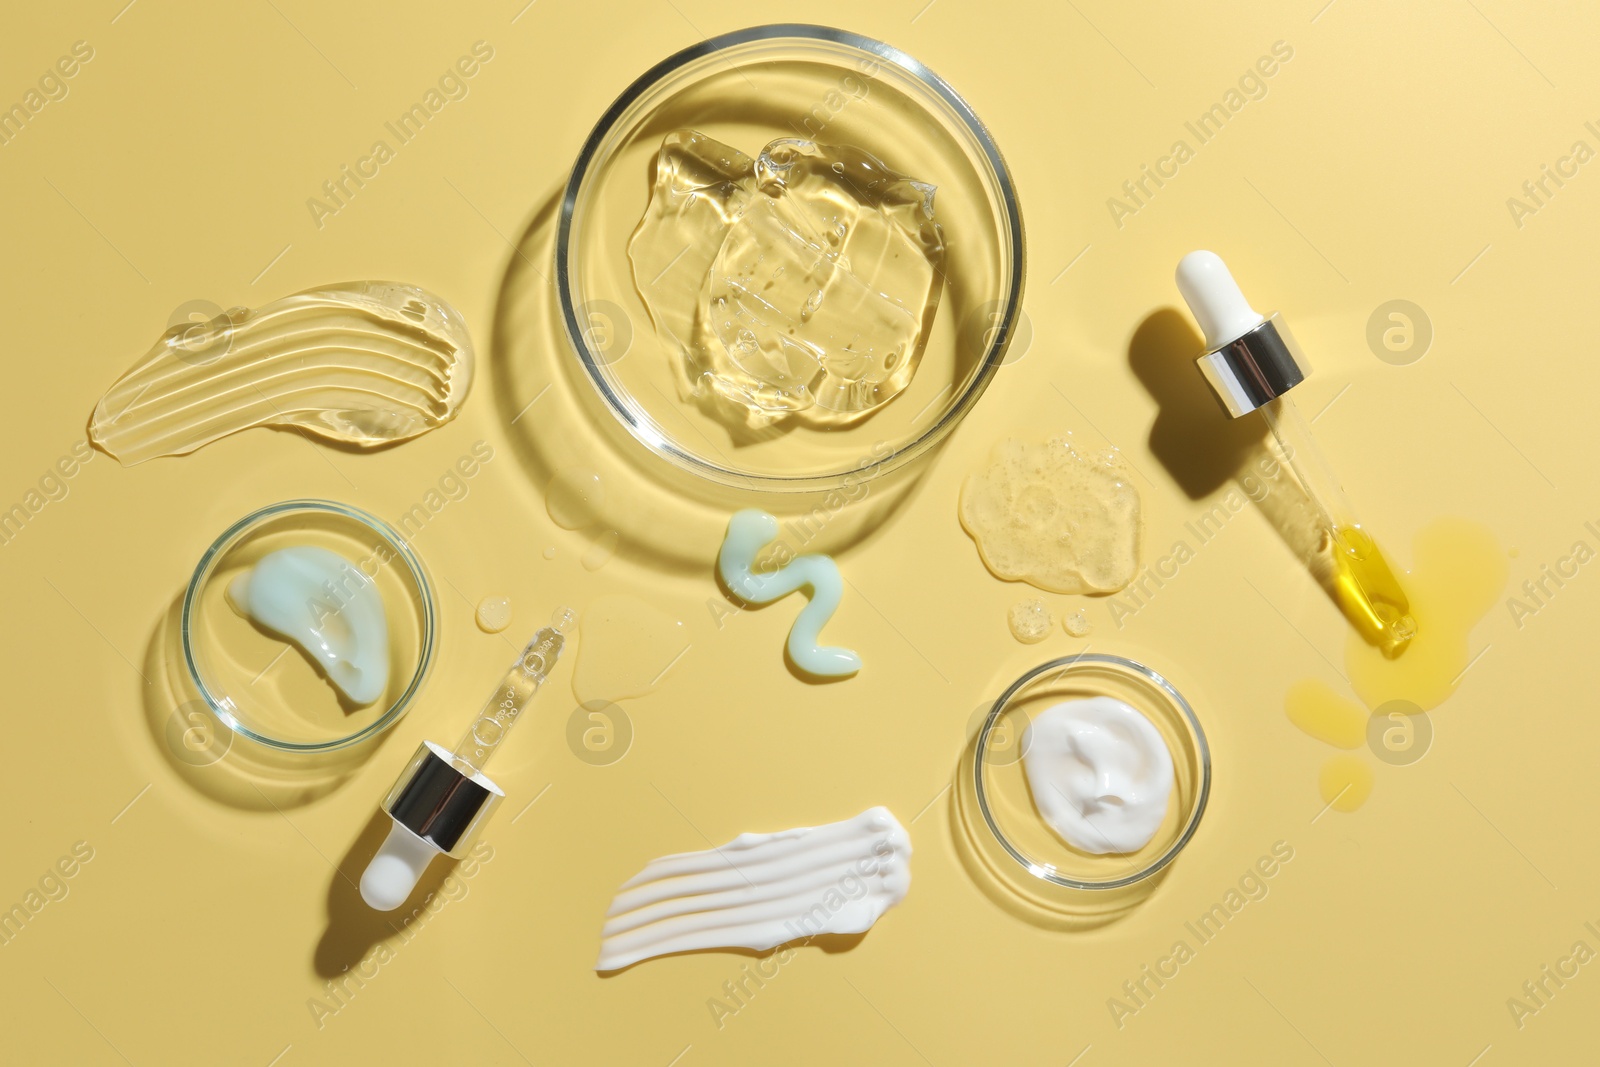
(747, 89)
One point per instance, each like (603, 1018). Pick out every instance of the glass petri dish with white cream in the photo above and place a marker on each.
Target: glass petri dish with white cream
(1070, 858)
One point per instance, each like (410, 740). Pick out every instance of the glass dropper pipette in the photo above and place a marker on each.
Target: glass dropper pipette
(1251, 362)
(502, 710)
(442, 799)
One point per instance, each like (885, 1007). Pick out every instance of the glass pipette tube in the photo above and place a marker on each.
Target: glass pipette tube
(1358, 576)
(504, 707)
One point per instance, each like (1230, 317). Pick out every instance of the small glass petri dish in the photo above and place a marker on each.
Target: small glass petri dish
(265, 688)
(1010, 840)
(746, 89)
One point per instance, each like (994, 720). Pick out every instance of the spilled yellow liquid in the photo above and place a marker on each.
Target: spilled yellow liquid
(1345, 782)
(1318, 711)
(1460, 571)
(1458, 574)
(363, 364)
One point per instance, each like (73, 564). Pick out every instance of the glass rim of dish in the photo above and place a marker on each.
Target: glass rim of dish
(1045, 872)
(220, 706)
(638, 423)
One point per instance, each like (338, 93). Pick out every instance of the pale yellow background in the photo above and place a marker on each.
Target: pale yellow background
(1377, 167)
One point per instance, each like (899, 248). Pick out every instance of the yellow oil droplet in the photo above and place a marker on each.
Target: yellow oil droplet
(1345, 782)
(1459, 572)
(626, 646)
(1325, 715)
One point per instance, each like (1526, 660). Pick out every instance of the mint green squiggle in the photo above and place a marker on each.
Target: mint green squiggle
(748, 532)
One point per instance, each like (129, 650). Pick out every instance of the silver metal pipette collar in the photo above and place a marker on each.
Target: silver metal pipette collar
(1259, 366)
(439, 803)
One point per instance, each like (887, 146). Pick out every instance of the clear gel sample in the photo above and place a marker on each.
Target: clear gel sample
(493, 614)
(363, 364)
(801, 283)
(1030, 620)
(1059, 519)
(626, 648)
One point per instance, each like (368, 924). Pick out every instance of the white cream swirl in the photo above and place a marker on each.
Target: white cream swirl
(1100, 774)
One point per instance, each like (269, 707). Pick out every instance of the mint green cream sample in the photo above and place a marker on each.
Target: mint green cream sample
(749, 531)
(326, 605)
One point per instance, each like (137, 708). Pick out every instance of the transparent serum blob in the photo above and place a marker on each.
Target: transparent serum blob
(575, 498)
(362, 364)
(1030, 620)
(493, 614)
(627, 648)
(1057, 518)
(799, 284)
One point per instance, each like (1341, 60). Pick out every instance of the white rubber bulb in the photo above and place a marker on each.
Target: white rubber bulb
(393, 873)
(1213, 296)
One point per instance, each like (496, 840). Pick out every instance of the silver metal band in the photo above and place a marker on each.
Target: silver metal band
(1258, 367)
(438, 803)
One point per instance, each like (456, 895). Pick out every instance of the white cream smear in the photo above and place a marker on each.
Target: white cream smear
(760, 891)
(1100, 774)
(326, 605)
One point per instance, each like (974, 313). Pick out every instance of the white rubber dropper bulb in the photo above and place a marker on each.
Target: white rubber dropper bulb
(1214, 297)
(396, 869)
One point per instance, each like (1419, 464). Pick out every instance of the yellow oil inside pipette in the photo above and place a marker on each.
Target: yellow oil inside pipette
(1351, 565)
(1366, 590)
